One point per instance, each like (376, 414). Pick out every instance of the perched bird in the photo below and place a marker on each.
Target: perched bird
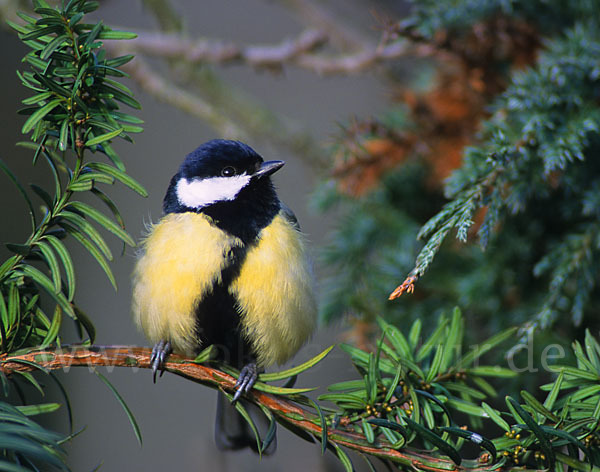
(225, 266)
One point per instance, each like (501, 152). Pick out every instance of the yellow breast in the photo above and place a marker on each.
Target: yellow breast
(275, 292)
(183, 257)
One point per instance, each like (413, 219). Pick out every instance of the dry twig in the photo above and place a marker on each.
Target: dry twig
(299, 51)
(166, 91)
(175, 46)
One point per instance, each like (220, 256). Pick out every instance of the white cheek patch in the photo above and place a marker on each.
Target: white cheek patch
(198, 193)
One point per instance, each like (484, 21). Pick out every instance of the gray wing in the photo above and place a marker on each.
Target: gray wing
(289, 215)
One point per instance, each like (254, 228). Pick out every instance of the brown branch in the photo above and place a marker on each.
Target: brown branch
(165, 91)
(352, 63)
(284, 409)
(174, 46)
(298, 51)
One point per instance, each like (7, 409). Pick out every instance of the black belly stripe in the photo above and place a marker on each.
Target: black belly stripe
(218, 319)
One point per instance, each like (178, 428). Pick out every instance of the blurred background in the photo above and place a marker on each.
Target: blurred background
(305, 109)
(380, 119)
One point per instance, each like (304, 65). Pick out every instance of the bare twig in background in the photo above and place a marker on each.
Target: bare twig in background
(223, 109)
(285, 409)
(229, 111)
(202, 93)
(166, 91)
(175, 46)
(352, 63)
(298, 51)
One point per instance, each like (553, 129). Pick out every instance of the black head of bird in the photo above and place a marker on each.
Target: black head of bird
(225, 266)
(228, 181)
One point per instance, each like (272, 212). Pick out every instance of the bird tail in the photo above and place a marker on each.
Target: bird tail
(232, 432)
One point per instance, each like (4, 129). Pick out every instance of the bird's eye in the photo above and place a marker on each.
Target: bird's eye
(228, 171)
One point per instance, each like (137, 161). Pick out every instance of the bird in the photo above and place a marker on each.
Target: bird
(226, 265)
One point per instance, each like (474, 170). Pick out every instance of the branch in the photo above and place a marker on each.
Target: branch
(353, 63)
(298, 51)
(175, 46)
(165, 91)
(286, 411)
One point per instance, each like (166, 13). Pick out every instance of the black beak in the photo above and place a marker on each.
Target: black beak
(267, 168)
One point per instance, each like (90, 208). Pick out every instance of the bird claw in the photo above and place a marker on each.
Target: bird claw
(160, 352)
(246, 381)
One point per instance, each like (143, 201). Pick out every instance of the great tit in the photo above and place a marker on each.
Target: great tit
(225, 266)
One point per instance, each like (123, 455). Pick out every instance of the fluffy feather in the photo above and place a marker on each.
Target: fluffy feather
(275, 293)
(182, 258)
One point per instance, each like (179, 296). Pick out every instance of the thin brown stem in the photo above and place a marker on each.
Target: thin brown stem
(167, 92)
(176, 46)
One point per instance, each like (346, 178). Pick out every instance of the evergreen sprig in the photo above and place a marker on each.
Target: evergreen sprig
(411, 390)
(72, 115)
(538, 153)
(25, 442)
(74, 112)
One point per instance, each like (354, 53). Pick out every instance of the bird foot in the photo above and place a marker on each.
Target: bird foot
(160, 352)
(246, 380)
